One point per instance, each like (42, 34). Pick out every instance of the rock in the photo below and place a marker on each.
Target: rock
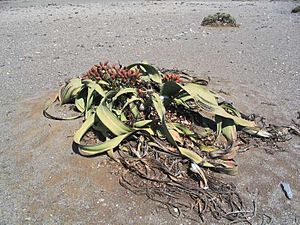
(296, 9)
(287, 190)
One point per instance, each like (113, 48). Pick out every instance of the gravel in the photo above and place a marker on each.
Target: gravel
(44, 43)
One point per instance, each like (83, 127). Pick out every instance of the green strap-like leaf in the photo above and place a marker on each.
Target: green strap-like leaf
(209, 103)
(158, 105)
(257, 131)
(80, 105)
(182, 98)
(148, 70)
(200, 93)
(88, 123)
(160, 109)
(135, 111)
(124, 91)
(110, 121)
(205, 148)
(237, 120)
(142, 123)
(102, 82)
(89, 100)
(230, 108)
(229, 130)
(131, 100)
(183, 129)
(191, 155)
(97, 88)
(108, 145)
(219, 121)
(105, 146)
(68, 93)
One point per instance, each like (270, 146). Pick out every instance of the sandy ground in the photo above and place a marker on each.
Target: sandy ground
(45, 42)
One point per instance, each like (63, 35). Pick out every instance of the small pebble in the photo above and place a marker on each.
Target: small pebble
(287, 190)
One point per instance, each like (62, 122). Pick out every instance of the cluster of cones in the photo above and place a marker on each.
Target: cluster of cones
(103, 71)
(172, 76)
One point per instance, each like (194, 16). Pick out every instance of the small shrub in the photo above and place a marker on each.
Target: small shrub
(219, 19)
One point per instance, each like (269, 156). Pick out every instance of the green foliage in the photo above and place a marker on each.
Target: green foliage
(123, 104)
(219, 19)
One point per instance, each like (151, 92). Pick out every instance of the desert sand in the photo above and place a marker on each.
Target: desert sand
(43, 43)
